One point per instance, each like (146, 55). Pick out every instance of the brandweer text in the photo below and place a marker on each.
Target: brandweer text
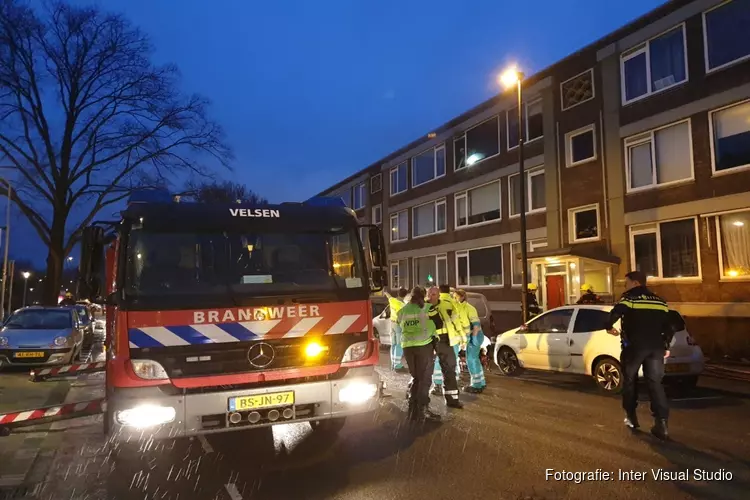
(255, 314)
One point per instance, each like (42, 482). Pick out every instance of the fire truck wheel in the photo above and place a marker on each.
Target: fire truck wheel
(329, 426)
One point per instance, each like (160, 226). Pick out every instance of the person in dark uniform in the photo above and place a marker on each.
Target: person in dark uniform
(68, 300)
(588, 296)
(646, 336)
(532, 305)
(441, 313)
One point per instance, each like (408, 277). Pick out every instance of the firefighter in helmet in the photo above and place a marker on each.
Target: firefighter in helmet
(588, 296)
(532, 304)
(68, 300)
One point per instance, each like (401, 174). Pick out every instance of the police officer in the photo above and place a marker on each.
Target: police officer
(588, 296)
(441, 313)
(456, 332)
(417, 333)
(646, 336)
(395, 304)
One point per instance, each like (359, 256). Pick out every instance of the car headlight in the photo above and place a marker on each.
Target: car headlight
(358, 392)
(3, 340)
(60, 341)
(355, 352)
(148, 369)
(145, 416)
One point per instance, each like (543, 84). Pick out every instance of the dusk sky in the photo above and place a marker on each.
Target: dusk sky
(310, 92)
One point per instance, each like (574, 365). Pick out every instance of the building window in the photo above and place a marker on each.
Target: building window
(428, 166)
(731, 137)
(399, 179)
(725, 32)
(478, 205)
(360, 191)
(399, 274)
(480, 267)
(535, 192)
(428, 218)
(659, 157)
(400, 226)
(577, 90)
(733, 233)
(377, 215)
(580, 146)
(376, 183)
(477, 144)
(346, 196)
(666, 249)
(515, 253)
(656, 65)
(534, 120)
(583, 224)
(431, 270)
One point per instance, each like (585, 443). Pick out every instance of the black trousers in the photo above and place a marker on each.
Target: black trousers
(447, 359)
(652, 361)
(420, 361)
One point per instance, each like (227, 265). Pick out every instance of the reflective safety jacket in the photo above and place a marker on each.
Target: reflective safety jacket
(414, 325)
(395, 305)
(469, 317)
(447, 310)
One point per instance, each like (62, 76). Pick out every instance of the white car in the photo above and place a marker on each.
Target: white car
(572, 339)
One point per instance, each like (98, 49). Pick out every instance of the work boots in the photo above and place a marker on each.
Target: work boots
(631, 420)
(437, 390)
(454, 403)
(660, 429)
(419, 414)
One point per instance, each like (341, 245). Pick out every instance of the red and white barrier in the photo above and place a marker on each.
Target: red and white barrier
(66, 370)
(48, 414)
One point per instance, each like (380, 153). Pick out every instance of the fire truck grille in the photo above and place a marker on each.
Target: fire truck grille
(242, 357)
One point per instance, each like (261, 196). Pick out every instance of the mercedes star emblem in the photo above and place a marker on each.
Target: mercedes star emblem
(260, 355)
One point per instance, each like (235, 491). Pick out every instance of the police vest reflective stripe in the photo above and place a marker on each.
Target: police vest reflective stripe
(646, 302)
(416, 327)
(448, 311)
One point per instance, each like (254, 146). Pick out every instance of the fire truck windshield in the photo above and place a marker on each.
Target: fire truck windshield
(245, 264)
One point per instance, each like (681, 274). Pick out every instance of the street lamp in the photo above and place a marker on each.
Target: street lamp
(510, 78)
(25, 275)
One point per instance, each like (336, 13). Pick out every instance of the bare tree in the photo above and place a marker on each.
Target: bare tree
(223, 192)
(87, 117)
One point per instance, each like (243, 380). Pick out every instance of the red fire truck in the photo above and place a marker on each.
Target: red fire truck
(226, 316)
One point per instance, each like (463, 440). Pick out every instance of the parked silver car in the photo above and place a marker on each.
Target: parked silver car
(35, 336)
(381, 321)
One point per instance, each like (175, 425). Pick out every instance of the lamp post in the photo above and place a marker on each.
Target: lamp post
(25, 275)
(514, 78)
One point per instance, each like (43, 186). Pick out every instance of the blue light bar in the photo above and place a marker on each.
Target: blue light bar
(150, 196)
(325, 201)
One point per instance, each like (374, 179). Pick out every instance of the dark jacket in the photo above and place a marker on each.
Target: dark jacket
(645, 320)
(589, 298)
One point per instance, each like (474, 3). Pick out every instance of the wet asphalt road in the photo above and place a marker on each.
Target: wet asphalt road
(498, 447)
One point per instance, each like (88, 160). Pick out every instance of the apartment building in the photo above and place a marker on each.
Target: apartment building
(637, 156)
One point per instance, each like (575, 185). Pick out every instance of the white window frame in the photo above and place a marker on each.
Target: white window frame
(711, 132)
(362, 188)
(650, 136)
(708, 69)
(645, 48)
(392, 185)
(463, 196)
(717, 225)
(435, 150)
(436, 203)
(529, 174)
(655, 228)
(372, 183)
(593, 89)
(465, 140)
(437, 257)
(390, 226)
(533, 245)
(397, 265)
(461, 137)
(572, 223)
(377, 209)
(569, 162)
(526, 125)
(466, 253)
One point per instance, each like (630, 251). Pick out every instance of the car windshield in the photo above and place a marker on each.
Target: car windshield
(40, 319)
(83, 314)
(245, 263)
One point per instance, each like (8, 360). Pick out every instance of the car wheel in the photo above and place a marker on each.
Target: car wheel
(608, 375)
(507, 362)
(330, 426)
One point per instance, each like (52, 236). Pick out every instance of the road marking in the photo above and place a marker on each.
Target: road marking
(205, 444)
(234, 493)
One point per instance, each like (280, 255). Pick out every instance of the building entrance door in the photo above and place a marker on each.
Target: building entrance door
(555, 291)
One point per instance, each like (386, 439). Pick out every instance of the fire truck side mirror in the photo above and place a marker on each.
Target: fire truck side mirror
(91, 263)
(377, 247)
(379, 279)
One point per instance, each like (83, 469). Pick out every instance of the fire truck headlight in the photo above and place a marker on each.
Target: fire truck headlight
(314, 349)
(145, 416)
(148, 369)
(355, 352)
(358, 392)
